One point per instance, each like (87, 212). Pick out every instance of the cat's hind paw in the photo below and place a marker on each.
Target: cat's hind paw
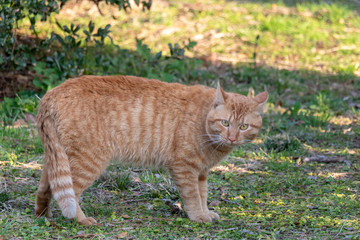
(48, 213)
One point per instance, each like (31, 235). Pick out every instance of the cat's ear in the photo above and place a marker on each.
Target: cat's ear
(220, 96)
(261, 99)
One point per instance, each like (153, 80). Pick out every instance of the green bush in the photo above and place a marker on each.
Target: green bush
(16, 55)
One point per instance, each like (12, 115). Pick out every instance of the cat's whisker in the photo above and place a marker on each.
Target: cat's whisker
(222, 143)
(210, 135)
(211, 143)
(211, 140)
(215, 142)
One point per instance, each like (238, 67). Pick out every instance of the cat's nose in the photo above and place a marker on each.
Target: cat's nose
(232, 139)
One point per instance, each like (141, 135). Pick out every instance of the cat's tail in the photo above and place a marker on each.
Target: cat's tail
(56, 165)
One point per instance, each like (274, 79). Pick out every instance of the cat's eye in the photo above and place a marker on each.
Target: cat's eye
(244, 126)
(225, 123)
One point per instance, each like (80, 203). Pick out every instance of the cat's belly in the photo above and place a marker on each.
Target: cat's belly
(142, 156)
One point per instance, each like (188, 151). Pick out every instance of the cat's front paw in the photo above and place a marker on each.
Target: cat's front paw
(87, 221)
(207, 216)
(213, 215)
(201, 218)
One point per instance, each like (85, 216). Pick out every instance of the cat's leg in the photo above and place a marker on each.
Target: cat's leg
(187, 182)
(43, 196)
(85, 170)
(203, 190)
(80, 216)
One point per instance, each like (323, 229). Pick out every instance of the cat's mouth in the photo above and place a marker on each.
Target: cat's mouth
(233, 144)
(236, 143)
(230, 143)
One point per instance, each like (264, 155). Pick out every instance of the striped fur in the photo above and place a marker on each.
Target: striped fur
(86, 122)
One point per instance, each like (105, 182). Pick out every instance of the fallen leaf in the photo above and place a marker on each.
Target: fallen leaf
(178, 204)
(351, 151)
(122, 235)
(347, 131)
(19, 122)
(54, 225)
(126, 216)
(175, 208)
(300, 122)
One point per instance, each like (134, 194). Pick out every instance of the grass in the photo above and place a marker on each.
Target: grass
(307, 58)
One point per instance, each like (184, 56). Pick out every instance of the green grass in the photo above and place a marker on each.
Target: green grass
(307, 58)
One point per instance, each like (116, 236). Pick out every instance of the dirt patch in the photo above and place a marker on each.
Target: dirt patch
(13, 82)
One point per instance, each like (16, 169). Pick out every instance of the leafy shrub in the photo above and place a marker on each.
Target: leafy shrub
(15, 55)
(46, 77)
(72, 59)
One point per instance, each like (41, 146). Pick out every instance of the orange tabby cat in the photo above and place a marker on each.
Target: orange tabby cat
(86, 122)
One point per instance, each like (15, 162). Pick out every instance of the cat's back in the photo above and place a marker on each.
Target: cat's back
(114, 86)
(129, 90)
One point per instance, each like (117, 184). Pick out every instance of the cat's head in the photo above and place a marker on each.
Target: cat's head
(234, 119)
